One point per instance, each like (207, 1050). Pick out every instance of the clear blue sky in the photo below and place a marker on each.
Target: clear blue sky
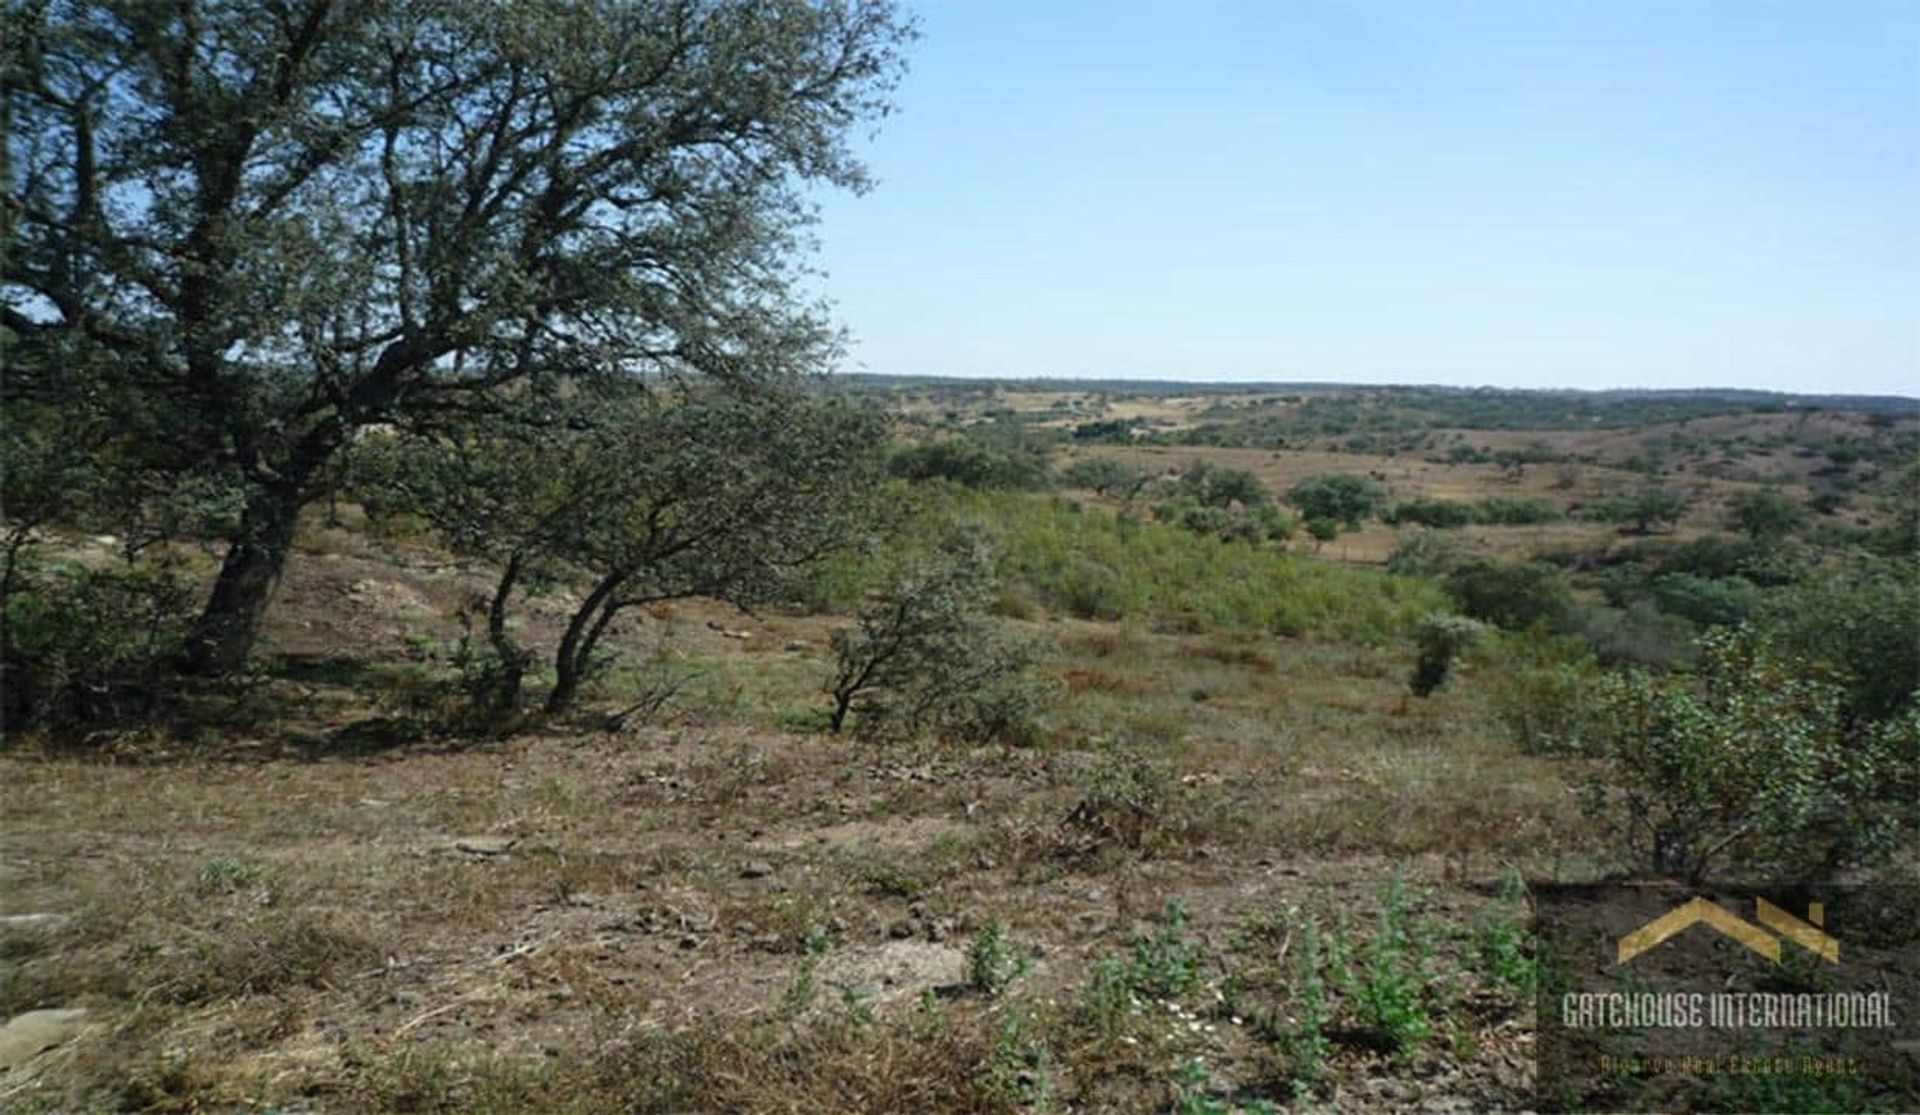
(1540, 193)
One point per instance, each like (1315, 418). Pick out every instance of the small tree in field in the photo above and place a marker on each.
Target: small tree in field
(1765, 514)
(648, 497)
(927, 654)
(1650, 507)
(1343, 497)
(1108, 476)
(1440, 639)
(1214, 485)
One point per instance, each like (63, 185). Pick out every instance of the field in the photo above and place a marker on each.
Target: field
(320, 898)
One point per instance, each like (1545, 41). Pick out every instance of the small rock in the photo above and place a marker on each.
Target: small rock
(900, 930)
(33, 923)
(28, 1035)
(485, 845)
(756, 869)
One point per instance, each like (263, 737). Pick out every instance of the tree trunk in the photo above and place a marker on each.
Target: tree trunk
(503, 694)
(225, 633)
(570, 662)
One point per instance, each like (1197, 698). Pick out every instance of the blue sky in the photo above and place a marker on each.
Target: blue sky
(1549, 193)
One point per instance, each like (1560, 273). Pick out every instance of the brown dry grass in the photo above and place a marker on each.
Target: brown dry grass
(289, 931)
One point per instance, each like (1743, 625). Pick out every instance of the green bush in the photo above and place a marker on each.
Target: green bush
(1344, 497)
(1106, 476)
(1441, 514)
(1502, 951)
(1216, 485)
(1236, 524)
(1709, 603)
(83, 647)
(1091, 562)
(1638, 634)
(1861, 616)
(1764, 514)
(1511, 596)
(970, 463)
(1393, 992)
(926, 654)
(1428, 553)
(1440, 639)
(1167, 963)
(1494, 510)
(1541, 696)
(994, 961)
(1127, 799)
(1751, 769)
(1517, 511)
(1711, 556)
(1640, 512)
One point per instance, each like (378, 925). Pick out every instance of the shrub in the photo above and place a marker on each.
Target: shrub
(1750, 768)
(1440, 638)
(927, 655)
(1517, 511)
(1861, 616)
(1511, 596)
(1092, 562)
(1638, 634)
(1344, 497)
(993, 960)
(1765, 514)
(1501, 950)
(1167, 963)
(970, 463)
(1391, 993)
(1105, 475)
(1126, 799)
(1542, 698)
(1428, 553)
(1260, 524)
(84, 647)
(1215, 485)
(1642, 511)
(1710, 555)
(1709, 603)
(1441, 514)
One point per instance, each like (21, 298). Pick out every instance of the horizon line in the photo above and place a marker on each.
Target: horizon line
(1278, 385)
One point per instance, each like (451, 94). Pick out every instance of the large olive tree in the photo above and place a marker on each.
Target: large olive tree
(262, 225)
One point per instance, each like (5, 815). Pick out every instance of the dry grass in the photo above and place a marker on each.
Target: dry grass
(287, 931)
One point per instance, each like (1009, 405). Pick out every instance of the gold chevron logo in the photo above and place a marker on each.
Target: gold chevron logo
(1806, 934)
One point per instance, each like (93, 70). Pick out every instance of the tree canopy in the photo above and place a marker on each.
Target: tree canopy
(245, 230)
(648, 496)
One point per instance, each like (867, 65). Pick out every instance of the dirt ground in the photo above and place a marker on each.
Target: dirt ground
(311, 914)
